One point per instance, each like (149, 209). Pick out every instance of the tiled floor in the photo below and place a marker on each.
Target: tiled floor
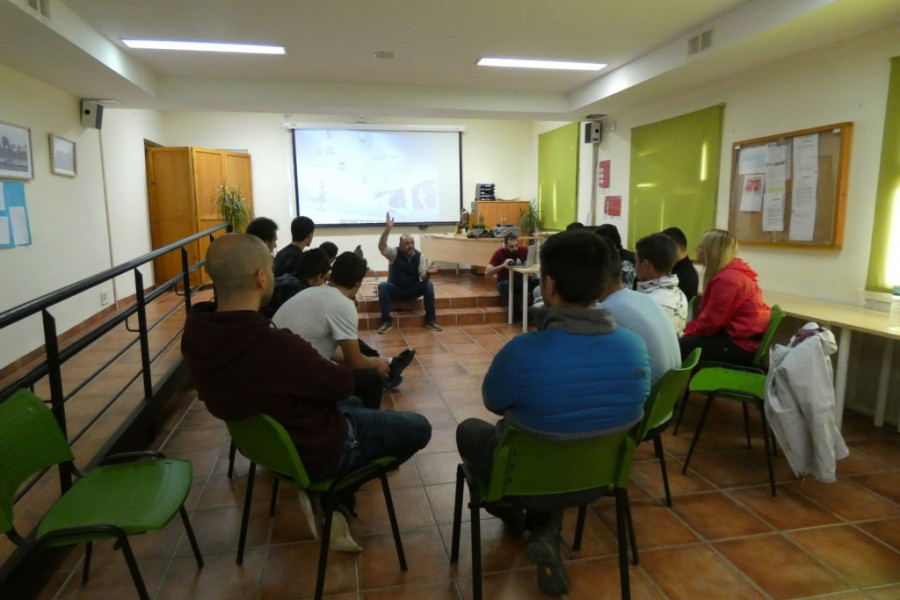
(724, 538)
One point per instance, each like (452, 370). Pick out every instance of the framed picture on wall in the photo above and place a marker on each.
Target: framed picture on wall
(15, 152)
(62, 156)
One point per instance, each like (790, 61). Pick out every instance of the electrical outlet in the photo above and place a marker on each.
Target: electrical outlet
(104, 297)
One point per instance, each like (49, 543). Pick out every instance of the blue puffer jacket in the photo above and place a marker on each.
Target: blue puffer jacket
(579, 373)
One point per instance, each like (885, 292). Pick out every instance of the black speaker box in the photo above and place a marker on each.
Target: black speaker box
(593, 132)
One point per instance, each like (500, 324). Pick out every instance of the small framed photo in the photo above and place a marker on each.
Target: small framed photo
(62, 156)
(15, 152)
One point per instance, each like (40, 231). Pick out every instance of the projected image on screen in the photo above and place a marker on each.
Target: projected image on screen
(352, 177)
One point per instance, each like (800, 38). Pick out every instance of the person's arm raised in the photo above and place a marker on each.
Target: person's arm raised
(388, 225)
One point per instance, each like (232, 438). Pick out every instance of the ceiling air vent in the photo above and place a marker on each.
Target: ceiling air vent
(42, 7)
(700, 42)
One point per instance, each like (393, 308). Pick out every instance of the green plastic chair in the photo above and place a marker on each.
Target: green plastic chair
(527, 466)
(266, 443)
(659, 410)
(744, 384)
(126, 494)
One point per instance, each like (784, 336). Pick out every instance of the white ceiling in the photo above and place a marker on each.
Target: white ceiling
(329, 66)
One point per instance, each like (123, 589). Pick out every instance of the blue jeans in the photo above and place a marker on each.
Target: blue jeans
(375, 433)
(388, 291)
(503, 289)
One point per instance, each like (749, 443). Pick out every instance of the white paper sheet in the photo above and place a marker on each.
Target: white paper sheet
(19, 226)
(773, 212)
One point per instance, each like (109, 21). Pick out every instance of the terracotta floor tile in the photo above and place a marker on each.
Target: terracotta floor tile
(437, 468)
(446, 590)
(728, 470)
(788, 510)
(888, 531)
(891, 592)
(847, 499)
(780, 568)
(283, 576)
(655, 525)
(598, 579)
(695, 571)
(648, 475)
(852, 553)
(715, 516)
(886, 484)
(425, 557)
(219, 579)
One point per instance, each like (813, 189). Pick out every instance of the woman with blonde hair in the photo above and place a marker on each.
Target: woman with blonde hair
(733, 316)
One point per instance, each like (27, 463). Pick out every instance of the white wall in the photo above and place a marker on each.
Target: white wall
(844, 82)
(67, 215)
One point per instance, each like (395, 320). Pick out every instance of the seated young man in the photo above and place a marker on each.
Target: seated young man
(311, 269)
(508, 256)
(408, 278)
(327, 318)
(688, 279)
(242, 366)
(655, 256)
(302, 230)
(639, 313)
(265, 229)
(523, 381)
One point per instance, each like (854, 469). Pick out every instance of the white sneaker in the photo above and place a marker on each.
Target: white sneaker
(313, 518)
(341, 537)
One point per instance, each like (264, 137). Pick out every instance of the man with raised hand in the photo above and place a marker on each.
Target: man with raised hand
(408, 278)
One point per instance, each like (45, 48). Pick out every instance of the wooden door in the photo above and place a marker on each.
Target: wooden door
(172, 211)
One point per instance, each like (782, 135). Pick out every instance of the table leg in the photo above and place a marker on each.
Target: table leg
(510, 289)
(883, 381)
(840, 375)
(524, 303)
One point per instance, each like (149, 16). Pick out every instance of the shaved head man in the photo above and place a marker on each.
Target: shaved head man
(241, 267)
(243, 366)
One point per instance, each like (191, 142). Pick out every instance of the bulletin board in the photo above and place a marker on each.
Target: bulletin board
(790, 189)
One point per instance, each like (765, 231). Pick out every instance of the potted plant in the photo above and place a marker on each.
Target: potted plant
(233, 208)
(530, 218)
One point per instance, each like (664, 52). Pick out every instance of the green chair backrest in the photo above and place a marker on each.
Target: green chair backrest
(527, 465)
(30, 441)
(264, 441)
(774, 321)
(666, 392)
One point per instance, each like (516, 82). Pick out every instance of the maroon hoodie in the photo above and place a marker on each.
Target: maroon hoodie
(243, 366)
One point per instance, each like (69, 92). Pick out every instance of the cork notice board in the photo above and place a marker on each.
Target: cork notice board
(790, 189)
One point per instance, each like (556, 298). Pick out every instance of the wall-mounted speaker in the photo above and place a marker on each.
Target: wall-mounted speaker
(593, 132)
(91, 114)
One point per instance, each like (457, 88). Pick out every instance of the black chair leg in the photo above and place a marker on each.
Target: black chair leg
(457, 515)
(700, 423)
(328, 507)
(274, 501)
(86, 571)
(632, 539)
(476, 550)
(579, 528)
(765, 426)
(658, 449)
(621, 525)
(392, 514)
(191, 538)
(683, 404)
(746, 424)
(133, 568)
(231, 454)
(245, 516)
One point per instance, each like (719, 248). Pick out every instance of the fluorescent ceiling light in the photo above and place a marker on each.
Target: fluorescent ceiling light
(204, 46)
(527, 63)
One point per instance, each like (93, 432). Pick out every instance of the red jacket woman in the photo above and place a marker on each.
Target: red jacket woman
(733, 316)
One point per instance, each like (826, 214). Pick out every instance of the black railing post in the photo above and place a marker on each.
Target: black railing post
(57, 400)
(186, 278)
(143, 334)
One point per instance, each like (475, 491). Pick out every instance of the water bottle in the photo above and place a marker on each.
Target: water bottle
(894, 319)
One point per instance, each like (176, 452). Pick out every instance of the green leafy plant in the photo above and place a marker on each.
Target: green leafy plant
(233, 207)
(530, 218)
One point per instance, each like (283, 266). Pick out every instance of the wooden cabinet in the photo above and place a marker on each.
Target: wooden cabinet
(183, 183)
(494, 211)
